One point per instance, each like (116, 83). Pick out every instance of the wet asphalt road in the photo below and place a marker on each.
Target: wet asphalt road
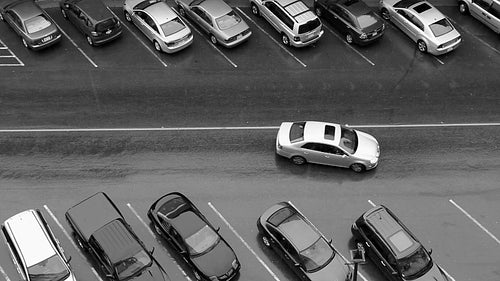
(233, 175)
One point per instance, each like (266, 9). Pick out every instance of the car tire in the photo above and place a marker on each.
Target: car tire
(266, 241)
(128, 17)
(358, 168)
(285, 40)
(213, 39)
(385, 14)
(157, 46)
(298, 160)
(182, 12)
(348, 38)
(255, 9)
(422, 47)
(463, 8)
(317, 10)
(25, 44)
(89, 40)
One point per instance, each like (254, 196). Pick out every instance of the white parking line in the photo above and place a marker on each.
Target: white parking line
(152, 234)
(348, 45)
(70, 240)
(475, 221)
(279, 45)
(139, 39)
(74, 44)
(346, 260)
(244, 242)
(4, 47)
(4, 274)
(476, 37)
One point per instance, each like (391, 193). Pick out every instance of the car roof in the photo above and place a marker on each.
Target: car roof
(314, 131)
(161, 12)
(94, 9)
(297, 9)
(26, 9)
(117, 241)
(396, 236)
(93, 213)
(356, 7)
(188, 223)
(216, 8)
(30, 237)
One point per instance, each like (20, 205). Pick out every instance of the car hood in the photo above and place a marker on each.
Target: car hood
(434, 274)
(367, 146)
(336, 270)
(217, 261)
(152, 273)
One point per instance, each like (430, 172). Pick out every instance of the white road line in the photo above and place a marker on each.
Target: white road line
(235, 128)
(476, 37)
(475, 221)
(4, 274)
(346, 260)
(139, 39)
(74, 43)
(244, 242)
(13, 55)
(70, 240)
(371, 203)
(276, 42)
(348, 45)
(152, 234)
(209, 42)
(440, 61)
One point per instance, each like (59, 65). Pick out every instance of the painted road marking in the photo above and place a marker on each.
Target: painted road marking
(139, 39)
(4, 274)
(430, 125)
(346, 260)
(244, 242)
(154, 236)
(348, 45)
(71, 240)
(12, 55)
(476, 37)
(475, 221)
(276, 42)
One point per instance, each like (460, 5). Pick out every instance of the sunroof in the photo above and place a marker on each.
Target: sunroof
(329, 132)
(422, 8)
(401, 241)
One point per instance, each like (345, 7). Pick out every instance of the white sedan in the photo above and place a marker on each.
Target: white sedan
(327, 144)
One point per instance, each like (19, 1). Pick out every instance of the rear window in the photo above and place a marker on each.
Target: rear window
(366, 20)
(280, 216)
(36, 24)
(172, 26)
(297, 132)
(228, 20)
(105, 25)
(309, 26)
(441, 27)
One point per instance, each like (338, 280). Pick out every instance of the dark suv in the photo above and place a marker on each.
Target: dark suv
(93, 19)
(393, 248)
(353, 18)
(102, 232)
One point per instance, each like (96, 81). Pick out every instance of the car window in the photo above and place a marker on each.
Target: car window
(131, 265)
(494, 10)
(106, 24)
(344, 15)
(150, 22)
(415, 265)
(202, 14)
(441, 27)
(309, 26)
(228, 20)
(366, 20)
(297, 132)
(482, 3)
(317, 255)
(312, 146)
(51, 268)
(36, 24)
(16, 19)
(411, 18)
(172, 27)
(202, 241)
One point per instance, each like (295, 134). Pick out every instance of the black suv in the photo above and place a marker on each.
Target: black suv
(101, 231)
(353, 18)
(393, 248)
(93, 19)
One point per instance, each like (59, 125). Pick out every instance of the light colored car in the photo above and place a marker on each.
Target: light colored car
(423, 23)
(35, 250)
(327, 144)
(217, 19)
(486, 11)
(168, 32)
(296, 23)
(31, 23)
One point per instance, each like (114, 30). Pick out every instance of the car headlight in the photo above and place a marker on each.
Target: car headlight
(93, 33)
(374, 160)
(362, 36)
(214, 278)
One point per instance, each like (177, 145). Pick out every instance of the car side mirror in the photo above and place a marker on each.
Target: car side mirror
(217, 229)
(430, 251)
(66, 6)
(68, 260)
(152, 250)
(297, 265)
(110, 276)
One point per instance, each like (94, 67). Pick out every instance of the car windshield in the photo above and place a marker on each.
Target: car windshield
(105, 25)
(132, 265)
(172, 27)
(415, 265)
(228, 20)
(441, 27)
(202, 241)
(348, 140)
(36, 24)
(367, 20)
(52, 268)
(317, 255)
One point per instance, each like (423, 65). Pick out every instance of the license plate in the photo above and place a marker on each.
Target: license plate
(45, 39)
(108, 31)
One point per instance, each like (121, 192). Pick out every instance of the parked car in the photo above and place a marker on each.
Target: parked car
(178, 220)
(353, 18)
(217, 19)
(159, 23)
(393, 248)
(35, 27)
(93, 19)
(102, 232)
(423, 23)
(35, 251)
(297, 25)
(486, 11)
(327, 144)
(306, 251)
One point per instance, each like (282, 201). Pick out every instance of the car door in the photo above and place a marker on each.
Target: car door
(145, 23)
(72, 12)
(15, 22)
(101, 257)
(495, 16)
(375, 250)
(405, 23)
(488, 12)
(344, 21)
(312, 152)
(203, 19)
(270, 13)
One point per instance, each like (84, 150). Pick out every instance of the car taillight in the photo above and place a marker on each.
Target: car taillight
(296, 38)
(230, 39)
(93, 33)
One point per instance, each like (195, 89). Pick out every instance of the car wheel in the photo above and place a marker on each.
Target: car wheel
(317, 10)
(157, 46)
(266, 241)
(255, 9)
(197, 275)
(358, 168)
(213, 39)
(285, 40)
(298, 160)
(63, 12)
(89, 40)
(348, 38)
(182, 12)
(422, 47)
(385, 14)
(25, 44)
(128, 17)
(463, 8)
